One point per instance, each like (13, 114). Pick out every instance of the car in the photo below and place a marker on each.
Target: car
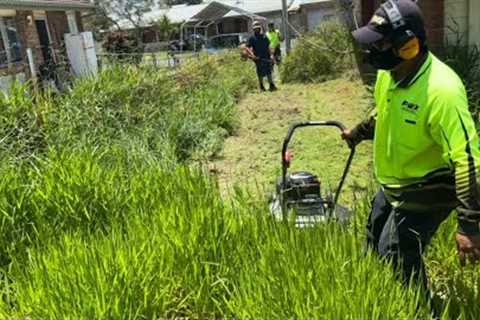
(226, 41)
(193, 42)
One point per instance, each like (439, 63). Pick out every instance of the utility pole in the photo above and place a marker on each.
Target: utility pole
(286, 27)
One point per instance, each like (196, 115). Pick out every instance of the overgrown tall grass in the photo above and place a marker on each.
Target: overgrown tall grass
(177, 117)
(104, 215)
(115, 240)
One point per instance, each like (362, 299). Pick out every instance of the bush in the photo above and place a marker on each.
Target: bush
(124, 47)
(465, 60)
(322, 55)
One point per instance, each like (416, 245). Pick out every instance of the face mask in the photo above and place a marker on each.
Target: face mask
(257, 32)
(384, 60)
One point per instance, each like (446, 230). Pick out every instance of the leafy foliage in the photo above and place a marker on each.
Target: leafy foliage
(319, 56)
(465, 60)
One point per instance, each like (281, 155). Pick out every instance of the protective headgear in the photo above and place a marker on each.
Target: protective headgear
(401, 23)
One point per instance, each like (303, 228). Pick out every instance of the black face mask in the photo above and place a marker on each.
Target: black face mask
(384, 60)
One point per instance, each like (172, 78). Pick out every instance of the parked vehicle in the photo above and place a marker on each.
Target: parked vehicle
(193, 42)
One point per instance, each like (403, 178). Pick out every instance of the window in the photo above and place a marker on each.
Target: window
(10, 48)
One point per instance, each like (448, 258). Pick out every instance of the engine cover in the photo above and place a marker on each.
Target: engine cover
(299, 186)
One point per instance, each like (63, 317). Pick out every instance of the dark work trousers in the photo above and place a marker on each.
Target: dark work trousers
(278, 55)
(401, 236)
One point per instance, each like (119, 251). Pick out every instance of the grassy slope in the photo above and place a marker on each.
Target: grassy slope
(251, 158)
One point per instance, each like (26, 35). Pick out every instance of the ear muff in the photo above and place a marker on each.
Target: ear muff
(410, 49)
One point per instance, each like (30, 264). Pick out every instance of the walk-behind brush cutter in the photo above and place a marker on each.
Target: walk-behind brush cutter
(299, 195)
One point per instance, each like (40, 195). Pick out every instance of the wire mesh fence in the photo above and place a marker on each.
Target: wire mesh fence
(161, 59)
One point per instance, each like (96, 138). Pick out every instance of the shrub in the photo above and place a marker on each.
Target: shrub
(124, 47)
(465, 60)
(321, 55)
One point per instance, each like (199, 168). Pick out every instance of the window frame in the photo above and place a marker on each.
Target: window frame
(6, 42)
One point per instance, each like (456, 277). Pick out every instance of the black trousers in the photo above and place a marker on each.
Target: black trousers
(278, 55)
(401, 236)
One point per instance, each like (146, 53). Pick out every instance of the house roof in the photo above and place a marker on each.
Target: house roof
(264, 6)
(296, 4)
(46, 4)
(255, 6)
(216, 10)
(177, 14)
(182, 13)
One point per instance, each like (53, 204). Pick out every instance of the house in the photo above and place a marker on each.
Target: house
(36, 26)
(304, 15)
(465, 13)
(442, 17)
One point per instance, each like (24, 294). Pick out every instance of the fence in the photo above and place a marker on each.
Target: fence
(162, 59)
(53, 69)
(46, 67)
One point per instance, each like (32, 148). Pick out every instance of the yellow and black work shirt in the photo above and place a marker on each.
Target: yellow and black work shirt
(424, 132)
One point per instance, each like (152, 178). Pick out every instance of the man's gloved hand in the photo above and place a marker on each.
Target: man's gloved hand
(468, 247)
(351, 137)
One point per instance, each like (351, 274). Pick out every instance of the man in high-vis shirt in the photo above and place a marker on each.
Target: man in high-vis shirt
(275, 39)
(426, 148)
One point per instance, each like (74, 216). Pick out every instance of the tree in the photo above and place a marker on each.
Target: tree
(166, 28)
(121, 13)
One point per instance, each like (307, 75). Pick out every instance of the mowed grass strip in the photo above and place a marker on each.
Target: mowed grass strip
(251, 158)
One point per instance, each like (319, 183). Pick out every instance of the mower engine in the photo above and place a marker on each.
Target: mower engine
(300, 195)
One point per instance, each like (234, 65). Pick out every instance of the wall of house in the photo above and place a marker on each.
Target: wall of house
(434, 13)
(58, 24)
(28, 34)
(317, 13)
(232, 25)
(78, 17)
(456, 19)
(27, 31)
(474, 22)
(462, 19)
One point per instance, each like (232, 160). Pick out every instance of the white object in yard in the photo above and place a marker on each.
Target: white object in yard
(81, 53)
(6, 81)
(31, 64)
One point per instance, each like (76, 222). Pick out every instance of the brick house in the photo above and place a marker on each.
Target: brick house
(38, 25)
(440, 17)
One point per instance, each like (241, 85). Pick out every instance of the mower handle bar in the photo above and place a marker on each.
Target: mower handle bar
(289, 136)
